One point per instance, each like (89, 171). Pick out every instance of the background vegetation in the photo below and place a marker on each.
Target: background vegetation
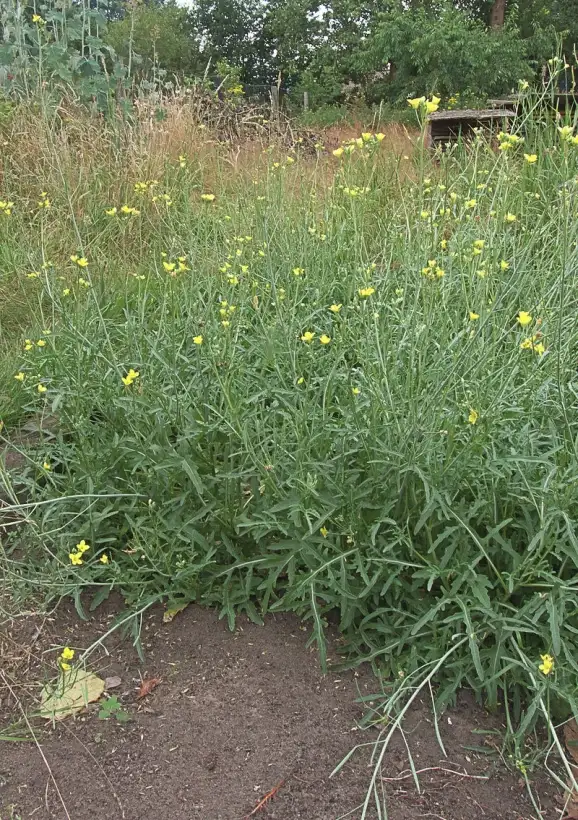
(348, 50)
(267, 375)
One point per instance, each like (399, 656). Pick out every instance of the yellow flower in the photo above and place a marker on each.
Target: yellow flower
(36, 18)
(81, 261)
(198, 340)
(531, 158)
(473, 416)
(416, 102)
(225, 323)
(479, 244)
(46, 466)
(169, 266)
(338, 152)
(130, 377)
(111, 211)
(474, 316)
(424, 214)
(539, 349)
(365, 292)
(127, 209)
(454, 196)
(380, 137)
(470, 203)
(432, 105)
(298, 271)
(547, 664)
(324, 532)
(208, 197)
(75, 559)
(444, 244)
(308, 336)
(182, 161)
(504, 265)
(20, 376)
(510, 217)
(366, 136)
(41, 388)
(565, 132)
(104, 559)
(335, 308)
(524, 318)
(67, 654)
(356, 391)
(64, 666)
(66, 292)
(325, 339)
(82, 546)
(300, 380)
(41, 343)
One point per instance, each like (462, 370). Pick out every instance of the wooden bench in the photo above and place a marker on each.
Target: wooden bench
(450, 126)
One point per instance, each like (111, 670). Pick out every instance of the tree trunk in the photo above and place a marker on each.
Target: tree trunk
(498, 14)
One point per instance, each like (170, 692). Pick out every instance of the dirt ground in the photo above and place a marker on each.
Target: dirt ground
(235, 716)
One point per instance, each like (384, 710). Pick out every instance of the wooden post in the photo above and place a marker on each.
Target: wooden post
(305, 101)
(275, 102)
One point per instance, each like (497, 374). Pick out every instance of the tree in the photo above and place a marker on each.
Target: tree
(444, 53)
(161, 35)
(231, 30)
(498, 14)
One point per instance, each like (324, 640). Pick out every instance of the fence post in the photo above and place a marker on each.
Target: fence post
(305, 101)
(275, 102)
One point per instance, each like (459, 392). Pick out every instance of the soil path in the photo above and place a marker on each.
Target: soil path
(236, 714)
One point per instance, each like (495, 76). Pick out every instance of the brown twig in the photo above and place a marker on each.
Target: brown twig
(263, 802)
(435, 769)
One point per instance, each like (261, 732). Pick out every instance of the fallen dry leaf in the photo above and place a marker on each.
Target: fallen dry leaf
(147, 686)
(112, 683)
(72, 692)
(172, 611)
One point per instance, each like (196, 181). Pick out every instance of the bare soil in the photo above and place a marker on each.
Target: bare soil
(236, 715)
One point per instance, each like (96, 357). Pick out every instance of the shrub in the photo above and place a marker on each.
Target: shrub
(357, 397)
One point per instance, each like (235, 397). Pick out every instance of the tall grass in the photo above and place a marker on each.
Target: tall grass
(416, 473)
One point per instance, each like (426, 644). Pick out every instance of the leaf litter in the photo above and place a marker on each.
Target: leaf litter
(72, 692)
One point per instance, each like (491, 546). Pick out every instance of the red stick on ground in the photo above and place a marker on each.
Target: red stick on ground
(263, 802)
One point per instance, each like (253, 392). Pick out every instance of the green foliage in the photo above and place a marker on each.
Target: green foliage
(111, 707)
(161, 35)
(417, 474)
(60, 48)
(231, 30)
(230, 85)
(445, 53)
